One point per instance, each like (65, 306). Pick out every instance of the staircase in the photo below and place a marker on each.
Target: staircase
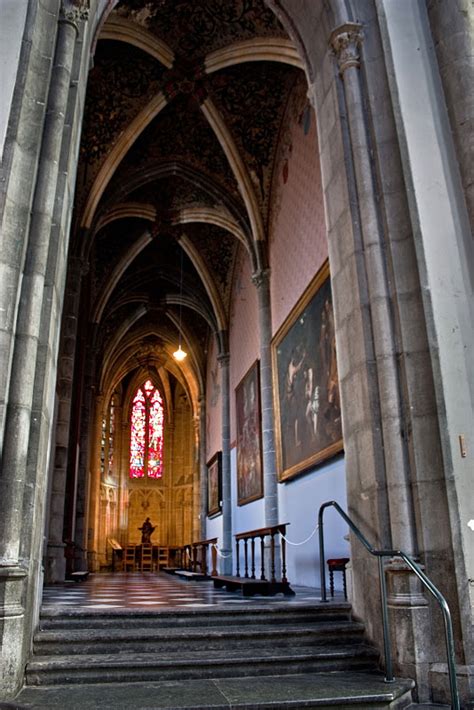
(280, 657)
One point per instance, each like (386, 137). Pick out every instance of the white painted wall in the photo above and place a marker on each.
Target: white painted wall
(299, 502)
(12, 25)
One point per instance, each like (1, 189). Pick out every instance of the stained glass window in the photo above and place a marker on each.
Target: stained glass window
(146, 438)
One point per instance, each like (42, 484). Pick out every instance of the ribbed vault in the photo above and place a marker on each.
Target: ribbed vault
(183, 113)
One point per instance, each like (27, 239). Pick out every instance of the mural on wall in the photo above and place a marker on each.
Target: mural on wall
(214, 485)
(249, 457)
(306, 389)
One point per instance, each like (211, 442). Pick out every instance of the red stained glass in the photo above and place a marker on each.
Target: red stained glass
(146, 441)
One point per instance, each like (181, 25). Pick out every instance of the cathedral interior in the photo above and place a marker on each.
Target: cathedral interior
(236, 278)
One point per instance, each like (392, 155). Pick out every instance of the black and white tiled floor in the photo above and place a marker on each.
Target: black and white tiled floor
(155, 590)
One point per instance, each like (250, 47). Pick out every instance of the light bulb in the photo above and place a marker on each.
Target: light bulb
(179, 354)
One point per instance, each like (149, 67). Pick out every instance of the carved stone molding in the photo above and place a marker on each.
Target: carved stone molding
(74, 11)
(345, 42)
(223, 359)
(261, 277)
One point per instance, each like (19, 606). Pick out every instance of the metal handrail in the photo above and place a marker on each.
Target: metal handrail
(380, 554)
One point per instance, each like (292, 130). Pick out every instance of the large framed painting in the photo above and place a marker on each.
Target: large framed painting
(249, 445)
(306, 388)
(214, 485)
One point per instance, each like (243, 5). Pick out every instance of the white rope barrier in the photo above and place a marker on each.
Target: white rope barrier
(216, 546)
(296, 544)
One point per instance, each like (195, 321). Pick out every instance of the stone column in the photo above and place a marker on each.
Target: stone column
(270, 477)
(94, 485)
(25, 447)
(196, 466)
(55, 563)
(29, 312)
(378, 352)
(433, 170)
(202, 467)
(123, 432)
(346, 41)
(226, 544)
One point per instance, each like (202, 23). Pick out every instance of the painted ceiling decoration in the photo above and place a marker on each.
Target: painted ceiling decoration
(184, 117)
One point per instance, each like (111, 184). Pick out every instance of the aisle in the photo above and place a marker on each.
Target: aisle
(134, 590)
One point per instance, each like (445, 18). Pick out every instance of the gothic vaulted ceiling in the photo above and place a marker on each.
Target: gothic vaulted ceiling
(184, 112)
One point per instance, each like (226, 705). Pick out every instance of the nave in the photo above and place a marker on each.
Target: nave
(135, 590)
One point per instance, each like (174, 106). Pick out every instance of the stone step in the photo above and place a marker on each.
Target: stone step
(139, 667)
(234, 616)
(173, 640)
(327, 691)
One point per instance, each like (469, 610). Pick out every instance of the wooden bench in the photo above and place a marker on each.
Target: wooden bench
(249, 584)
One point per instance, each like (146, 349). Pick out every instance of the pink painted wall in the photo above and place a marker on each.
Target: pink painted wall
(213, 403)
(244, 330)
(298, 243)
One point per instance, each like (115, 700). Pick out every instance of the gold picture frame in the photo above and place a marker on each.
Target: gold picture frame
(305, 384)
(214, 485)
(249, 440)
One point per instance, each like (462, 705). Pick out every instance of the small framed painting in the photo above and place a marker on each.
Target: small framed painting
(214, 485)
(249, 445)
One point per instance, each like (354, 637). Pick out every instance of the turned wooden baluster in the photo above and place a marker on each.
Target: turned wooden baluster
(214, 560)
(252, 543)
(272, 547)
(204, 559)
(246, 558)
(262, 553)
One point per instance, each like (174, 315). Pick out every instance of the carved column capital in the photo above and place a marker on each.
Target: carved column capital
(223, 359)
(260, 278)
(73, 11)
(345, 42)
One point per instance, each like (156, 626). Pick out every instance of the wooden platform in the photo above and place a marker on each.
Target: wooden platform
(249, 587)
(190, 576)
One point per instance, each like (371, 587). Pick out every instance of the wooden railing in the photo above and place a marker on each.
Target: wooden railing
(249, 583)
(195, 556)
(260, 534)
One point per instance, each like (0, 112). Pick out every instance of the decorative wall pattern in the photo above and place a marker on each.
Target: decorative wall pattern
(244, 329)
(252, 98)
(214, 401)
(298, 242)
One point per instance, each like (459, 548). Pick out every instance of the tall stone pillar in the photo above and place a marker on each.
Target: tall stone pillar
(26, 435)
(270, 477)
(226, 545)
(29, 312)
(94, 486)
(373, 380)
(196, 490)
(346, 41)
(434, 163)
(55, 565)
(123, 468)
(202, 467)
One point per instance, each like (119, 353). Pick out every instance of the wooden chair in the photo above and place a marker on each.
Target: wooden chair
(147, 558)
(129, 562)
